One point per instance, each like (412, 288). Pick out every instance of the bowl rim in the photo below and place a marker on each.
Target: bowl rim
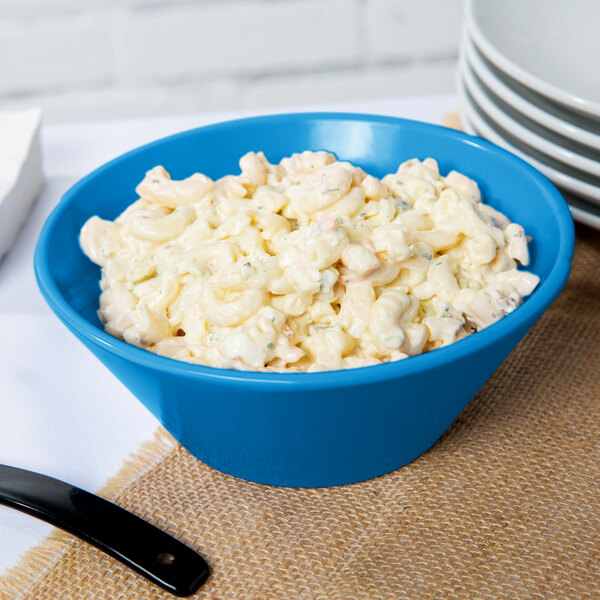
(543, 295)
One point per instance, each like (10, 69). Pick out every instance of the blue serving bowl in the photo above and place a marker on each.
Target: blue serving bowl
(298, 429)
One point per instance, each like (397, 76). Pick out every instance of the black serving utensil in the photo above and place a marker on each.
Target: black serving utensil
(157, 556)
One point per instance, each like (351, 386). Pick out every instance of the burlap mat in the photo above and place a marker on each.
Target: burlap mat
(505, 505)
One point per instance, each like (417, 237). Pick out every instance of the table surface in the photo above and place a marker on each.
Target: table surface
(63, 413)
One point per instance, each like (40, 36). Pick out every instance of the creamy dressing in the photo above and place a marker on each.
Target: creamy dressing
(307, 265)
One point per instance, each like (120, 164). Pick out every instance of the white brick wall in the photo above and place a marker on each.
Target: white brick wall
(399, 29)
(45, 54)
(95, 59)
(352, 84)
(236, 38)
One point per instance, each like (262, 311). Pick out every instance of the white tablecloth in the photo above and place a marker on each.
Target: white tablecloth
(63, 413)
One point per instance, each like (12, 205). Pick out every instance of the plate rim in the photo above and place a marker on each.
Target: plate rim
(518, 130)
(523, 105)
(591, 193)
(579, 214)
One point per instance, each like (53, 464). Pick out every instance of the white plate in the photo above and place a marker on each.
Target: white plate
(582, 211)
(538, 108)
(551, 46)
(532, 134)
(473, 116)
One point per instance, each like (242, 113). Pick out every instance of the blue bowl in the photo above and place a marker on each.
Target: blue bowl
(298, 429)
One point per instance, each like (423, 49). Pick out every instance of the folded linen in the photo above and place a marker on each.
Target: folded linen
(21, 175)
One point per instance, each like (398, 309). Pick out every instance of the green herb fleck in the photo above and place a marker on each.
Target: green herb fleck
(402, 203)
(247, 264)
(270, 345)
(339, 220)
(427, 256)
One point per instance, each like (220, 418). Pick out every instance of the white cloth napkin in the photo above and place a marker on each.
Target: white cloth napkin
(20, 170)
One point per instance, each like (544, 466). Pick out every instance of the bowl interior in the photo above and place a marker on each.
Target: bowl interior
(377, 144)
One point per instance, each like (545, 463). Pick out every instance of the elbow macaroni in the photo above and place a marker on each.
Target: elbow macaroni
(307, 265)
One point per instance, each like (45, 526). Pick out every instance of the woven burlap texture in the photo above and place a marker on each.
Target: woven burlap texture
(505, 505)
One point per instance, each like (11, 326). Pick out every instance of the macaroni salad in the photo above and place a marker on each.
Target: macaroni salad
(306, 265)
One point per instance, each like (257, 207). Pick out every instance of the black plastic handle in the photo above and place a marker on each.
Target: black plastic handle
(151, 552)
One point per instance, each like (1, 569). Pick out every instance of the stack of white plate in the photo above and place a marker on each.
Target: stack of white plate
(529, 81)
